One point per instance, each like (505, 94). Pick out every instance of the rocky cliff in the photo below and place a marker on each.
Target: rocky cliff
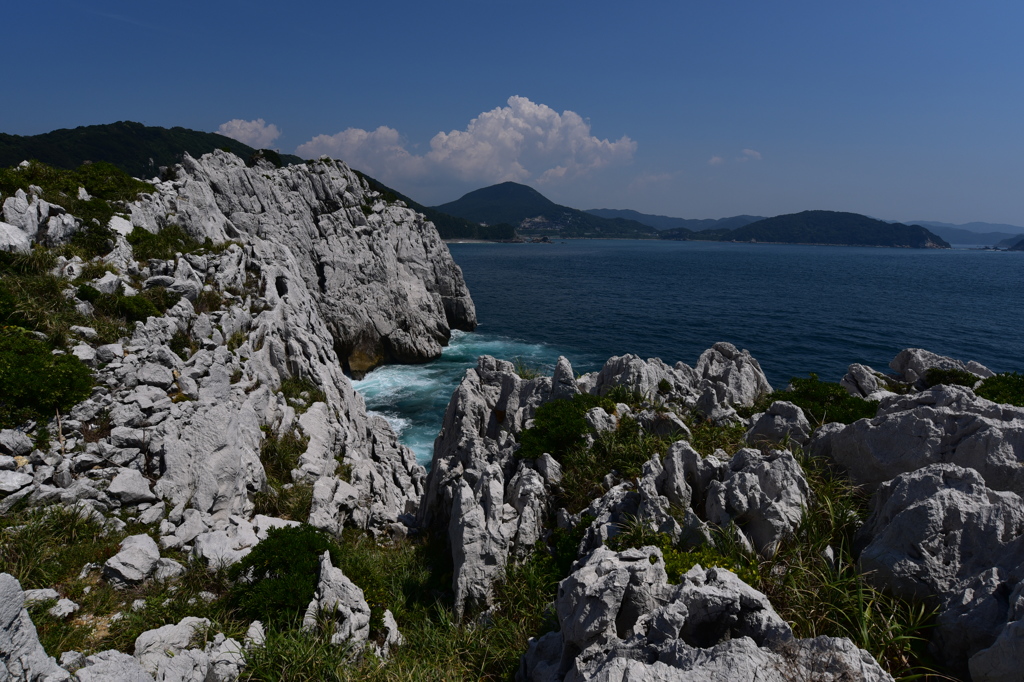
(305, 273)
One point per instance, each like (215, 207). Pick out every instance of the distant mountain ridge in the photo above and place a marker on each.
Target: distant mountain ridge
(660, 222)
(534, 214)
(141, 150)
(975, 234)
(137, 149)
(834, 228)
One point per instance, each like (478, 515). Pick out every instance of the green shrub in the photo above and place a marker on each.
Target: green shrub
(1006, 388)
(183, 345)
(821, 401)
(34, 383)
(162, 298)
(935, 376)
(559, 425)
(171, 240)
(128, 308)
(94, 240)
(276, 581)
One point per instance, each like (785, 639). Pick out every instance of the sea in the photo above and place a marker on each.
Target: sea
(797, 309)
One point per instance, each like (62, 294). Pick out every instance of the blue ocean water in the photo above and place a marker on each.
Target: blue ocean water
(797, 309)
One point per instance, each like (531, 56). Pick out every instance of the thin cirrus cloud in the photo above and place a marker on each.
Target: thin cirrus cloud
(255, 133)
(522, 141)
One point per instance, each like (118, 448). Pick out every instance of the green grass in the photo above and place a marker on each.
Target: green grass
(301, 393)
(163, 245)
(279, 454)
(35, 383)
(624, 451)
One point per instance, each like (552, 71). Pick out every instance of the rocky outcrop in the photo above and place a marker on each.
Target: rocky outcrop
(310, 273)
(764, 494)
(784, 422)
(21, 655)
(912, 364)
(940, 533)
(944, 424)
(620, 619)
(381, 277)
(491, 504)
(342, 603)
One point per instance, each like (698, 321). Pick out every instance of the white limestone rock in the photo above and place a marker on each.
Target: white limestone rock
(620, 619)
(112, 666)
(154, 647)
(14, 240)
(944, 424)
(131, 487)
(940, 533)
(783, 422)
(22, 657)
(343, 602)
(764, 494)
(912, 364)
(134, 562)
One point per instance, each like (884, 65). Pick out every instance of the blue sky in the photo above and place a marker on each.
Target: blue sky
(903, 109)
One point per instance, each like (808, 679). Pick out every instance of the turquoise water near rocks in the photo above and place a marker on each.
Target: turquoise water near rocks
(797, 309)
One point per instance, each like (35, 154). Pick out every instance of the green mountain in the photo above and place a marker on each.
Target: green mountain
(533, 214)
(137, 149)
(828, 227)
(661, 222)
(141, 150)
(1019, 246)
(448, 226)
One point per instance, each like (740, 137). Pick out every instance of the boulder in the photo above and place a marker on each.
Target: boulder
(22, 657)
(130, 487)
(763, 494)
(737, 370)
(153, 648)
(782, 423)
(939, 533)
(912, 364)
(135, 561)
(112, 666)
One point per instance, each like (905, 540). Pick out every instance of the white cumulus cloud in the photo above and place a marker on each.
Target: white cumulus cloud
(750, 155)
(521, 141)
(716, 161)
(253, 133)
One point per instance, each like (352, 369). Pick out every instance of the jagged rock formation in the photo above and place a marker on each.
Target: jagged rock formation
(380, 276)
(948, 521)
(620, 619)
(320, 274)
(942, 424)
(939, 533)
(491, 503)
(339, 600)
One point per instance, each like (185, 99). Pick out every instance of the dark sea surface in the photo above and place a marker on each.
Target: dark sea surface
(797, 309)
